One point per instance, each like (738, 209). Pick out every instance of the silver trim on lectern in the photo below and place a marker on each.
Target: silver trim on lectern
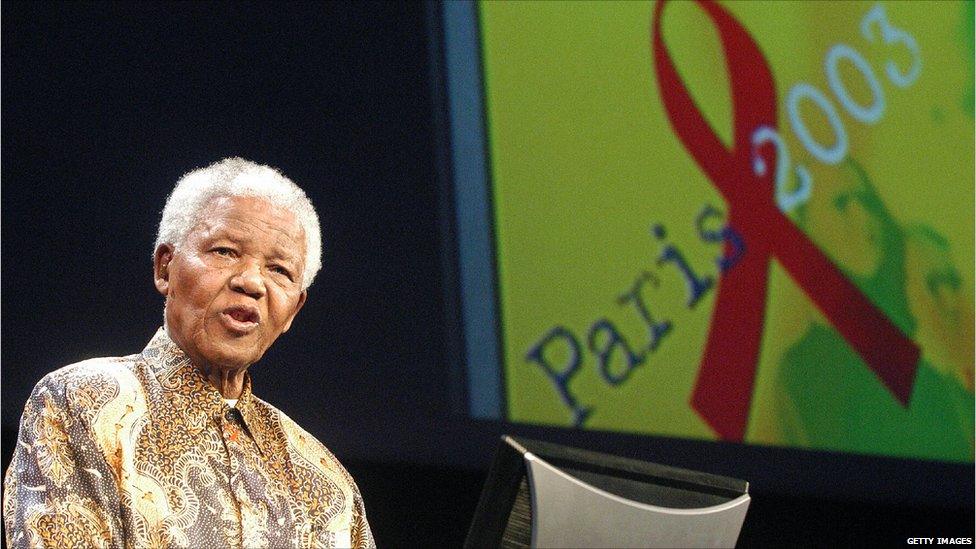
(567, 512)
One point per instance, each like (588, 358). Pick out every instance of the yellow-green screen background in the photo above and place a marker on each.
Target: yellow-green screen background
(584, 161)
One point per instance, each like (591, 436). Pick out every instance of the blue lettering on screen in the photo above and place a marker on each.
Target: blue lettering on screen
(607, 344)
(725, 234)
(656, 329)
(561, 377)
(697, 286)
(604, 351)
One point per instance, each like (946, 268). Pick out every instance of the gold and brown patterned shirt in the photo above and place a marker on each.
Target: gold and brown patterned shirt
(142, 451)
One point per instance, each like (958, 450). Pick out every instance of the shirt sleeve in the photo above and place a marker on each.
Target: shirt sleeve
(59, 490)
(361, 534)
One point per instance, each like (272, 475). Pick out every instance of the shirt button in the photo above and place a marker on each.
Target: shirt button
(229, 415)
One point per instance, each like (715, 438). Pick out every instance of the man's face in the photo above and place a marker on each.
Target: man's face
(843, 226)
(234, 285)
(939, 302)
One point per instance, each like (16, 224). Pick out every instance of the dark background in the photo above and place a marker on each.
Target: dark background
(106, 105)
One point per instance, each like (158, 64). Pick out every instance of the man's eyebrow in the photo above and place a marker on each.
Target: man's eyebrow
(278, 252)
(225, 235)
(282, 255)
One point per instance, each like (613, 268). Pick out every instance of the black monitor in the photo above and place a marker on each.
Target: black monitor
(544, 494)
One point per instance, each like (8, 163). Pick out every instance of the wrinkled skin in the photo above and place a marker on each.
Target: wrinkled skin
(233, 286)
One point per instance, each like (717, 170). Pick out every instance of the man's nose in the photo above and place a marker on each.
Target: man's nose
(249, 280)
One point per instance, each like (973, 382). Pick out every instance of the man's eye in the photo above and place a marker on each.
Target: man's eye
(226, 252)
(281, 270)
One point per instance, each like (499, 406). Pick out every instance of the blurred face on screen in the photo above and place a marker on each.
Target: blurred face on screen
(845, 217)
(941, 304)
(234, 285)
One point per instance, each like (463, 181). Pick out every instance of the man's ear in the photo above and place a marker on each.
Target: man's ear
(161, 260)
(298, 307)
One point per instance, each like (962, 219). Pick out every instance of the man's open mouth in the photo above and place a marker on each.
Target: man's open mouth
(241, 318)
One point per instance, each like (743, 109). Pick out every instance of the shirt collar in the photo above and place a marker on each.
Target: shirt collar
(178, 377)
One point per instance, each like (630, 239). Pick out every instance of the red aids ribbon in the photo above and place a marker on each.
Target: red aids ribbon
(726, 376)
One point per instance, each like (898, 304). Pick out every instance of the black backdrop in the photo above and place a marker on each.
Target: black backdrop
(105, 105)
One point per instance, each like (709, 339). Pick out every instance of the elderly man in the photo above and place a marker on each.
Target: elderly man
(169, 447)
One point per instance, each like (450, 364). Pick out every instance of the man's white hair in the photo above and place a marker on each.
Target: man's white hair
(232, 177)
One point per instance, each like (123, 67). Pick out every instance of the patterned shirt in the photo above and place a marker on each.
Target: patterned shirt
(141, 451)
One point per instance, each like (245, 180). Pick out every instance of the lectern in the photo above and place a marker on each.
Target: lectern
(539, 494)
